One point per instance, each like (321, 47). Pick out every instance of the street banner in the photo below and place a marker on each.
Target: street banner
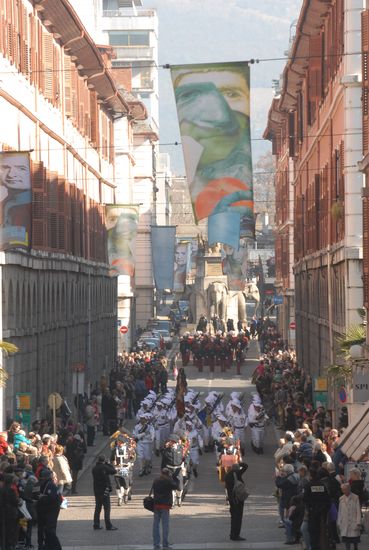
(182, 264)
(163, 245)
(234, 265)
(15, 200)
(121, 222)
(192, 252)
(224, 228)
(213, 105)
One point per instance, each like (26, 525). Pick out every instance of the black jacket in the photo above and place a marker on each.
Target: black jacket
(163, 488)
(100, 474)
(229, 480)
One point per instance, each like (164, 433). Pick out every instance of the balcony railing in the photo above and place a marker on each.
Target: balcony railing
(128, 12)
(133, 52)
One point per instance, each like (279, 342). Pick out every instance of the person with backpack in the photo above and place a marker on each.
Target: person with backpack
(236, 494)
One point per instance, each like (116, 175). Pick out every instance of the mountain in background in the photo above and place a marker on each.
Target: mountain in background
(201, 31)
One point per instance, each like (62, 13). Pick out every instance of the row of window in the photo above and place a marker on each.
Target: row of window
(26, 43)
(64, 219)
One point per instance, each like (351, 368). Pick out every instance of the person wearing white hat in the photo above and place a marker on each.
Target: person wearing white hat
(144, 435)
(238, 421)
(196, 446)
(162, 425)
(257, 419)
(233, 395)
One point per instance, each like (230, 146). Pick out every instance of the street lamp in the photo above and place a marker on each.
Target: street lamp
(356, 352)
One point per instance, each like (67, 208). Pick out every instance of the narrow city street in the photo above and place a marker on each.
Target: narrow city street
(203, 520)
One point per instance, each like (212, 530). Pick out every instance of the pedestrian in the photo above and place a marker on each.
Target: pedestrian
(162, 490)
(74, 451)
(62, 470)
(90, 420)
(349, 517)
(235, 506)
(102, 489)
(48, 508)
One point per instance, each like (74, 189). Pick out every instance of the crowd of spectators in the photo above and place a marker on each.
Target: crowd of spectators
(319, 500)
(39, 468)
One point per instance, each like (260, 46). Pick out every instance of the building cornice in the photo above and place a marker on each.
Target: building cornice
(60, 19)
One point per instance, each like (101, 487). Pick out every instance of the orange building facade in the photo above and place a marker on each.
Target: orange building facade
(315, 127)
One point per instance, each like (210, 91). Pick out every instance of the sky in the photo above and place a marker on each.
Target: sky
(200, 31)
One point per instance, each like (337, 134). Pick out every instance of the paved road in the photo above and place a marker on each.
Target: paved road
(203, 520)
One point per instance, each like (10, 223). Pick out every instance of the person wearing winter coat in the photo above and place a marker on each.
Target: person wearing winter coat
(349, 517)
(288, 483)
(75, 455)
(61, 470)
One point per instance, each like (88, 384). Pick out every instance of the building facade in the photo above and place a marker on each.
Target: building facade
(59, 103)
(284, 222)
(317, 123)
(131, 31)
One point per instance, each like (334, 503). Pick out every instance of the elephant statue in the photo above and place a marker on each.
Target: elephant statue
(217, 299)
(196, 301)
(251, 292)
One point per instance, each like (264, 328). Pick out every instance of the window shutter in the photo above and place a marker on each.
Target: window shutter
(48, 58)
(26, 50)
(38, 205)
(15, 28)
(61, 214)
(291, 135)
(52, 210)
(365, 78)
(315, 67)
(74, 94)
(9, 32)
(111, 142)
(94, 113)
(366, 250)
(68, 217)
(2, 30)
(67, 85)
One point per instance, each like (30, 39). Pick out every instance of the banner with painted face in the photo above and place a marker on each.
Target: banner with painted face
(163, 240)
(15, 200)
(182, 264)
(234, 265)
(121, 222)
(213, 105)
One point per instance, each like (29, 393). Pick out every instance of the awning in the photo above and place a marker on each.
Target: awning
(355, 439)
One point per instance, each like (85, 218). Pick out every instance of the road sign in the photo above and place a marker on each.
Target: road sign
(342, 395)
(278, 299)
(123, 329)
(78, 367)
(54, 399)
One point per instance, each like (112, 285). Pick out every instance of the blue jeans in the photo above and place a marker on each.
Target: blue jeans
(163, 517)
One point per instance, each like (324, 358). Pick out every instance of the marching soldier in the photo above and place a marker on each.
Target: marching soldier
(238, 423)
(196, 446)
(257, 419)
(162, 426)
(144, 435)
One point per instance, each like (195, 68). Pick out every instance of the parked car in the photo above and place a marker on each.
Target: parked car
(168, 340)
(148, 342)
(160, 324)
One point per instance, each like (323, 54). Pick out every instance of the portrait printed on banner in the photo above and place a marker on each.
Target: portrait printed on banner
(121, 223)
(15, 200)
(234, 265)
(213, 105)
(181, 261)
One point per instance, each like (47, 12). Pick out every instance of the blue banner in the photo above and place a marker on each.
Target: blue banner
(163, 245)
(224, 228)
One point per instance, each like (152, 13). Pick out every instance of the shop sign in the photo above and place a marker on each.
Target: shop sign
(360, 386)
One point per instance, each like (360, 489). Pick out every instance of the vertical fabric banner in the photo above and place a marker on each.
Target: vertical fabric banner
(213, 105)
(234, 265)
(163, 244)
(15, 200)
(182, 262)
(121, 222)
